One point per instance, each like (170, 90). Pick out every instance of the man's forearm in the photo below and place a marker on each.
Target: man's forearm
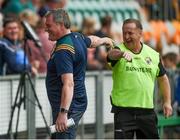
(97, 41)
(67, 90)
(66, 97)
(165, 89)
(115, 54)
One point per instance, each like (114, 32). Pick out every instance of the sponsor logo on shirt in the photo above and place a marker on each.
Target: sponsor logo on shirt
(148, 60)
(142, 69)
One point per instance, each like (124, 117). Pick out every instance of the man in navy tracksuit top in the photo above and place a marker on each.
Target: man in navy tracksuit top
(65, 80)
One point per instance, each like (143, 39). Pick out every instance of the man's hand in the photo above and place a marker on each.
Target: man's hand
(108, 42)
(116, 54)
(61, 122)
(167, 109)
(127, 56)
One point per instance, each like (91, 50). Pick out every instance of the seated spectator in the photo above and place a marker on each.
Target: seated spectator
(12, 54)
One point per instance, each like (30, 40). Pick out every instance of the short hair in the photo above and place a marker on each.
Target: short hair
(10, 19)
(106, 21)
(171, 56)
(137, 22)
(60, 16)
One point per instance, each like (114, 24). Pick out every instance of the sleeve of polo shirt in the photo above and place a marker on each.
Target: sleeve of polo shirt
(162, 70)
(64, 61)
(87, 41)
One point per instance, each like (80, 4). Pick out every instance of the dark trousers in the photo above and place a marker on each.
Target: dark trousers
(141, 122)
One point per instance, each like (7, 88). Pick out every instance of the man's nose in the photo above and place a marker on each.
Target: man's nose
(126, 36)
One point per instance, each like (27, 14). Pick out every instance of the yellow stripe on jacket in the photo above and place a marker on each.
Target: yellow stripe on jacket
(65, 47)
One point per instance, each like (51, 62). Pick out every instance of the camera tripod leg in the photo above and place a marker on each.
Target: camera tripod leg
(18, 95)
(21, 97)
(17, 121)
(21, 100)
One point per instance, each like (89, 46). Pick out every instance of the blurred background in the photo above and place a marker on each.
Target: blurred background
(161, 31)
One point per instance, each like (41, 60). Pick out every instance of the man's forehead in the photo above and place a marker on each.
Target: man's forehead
(129, 26)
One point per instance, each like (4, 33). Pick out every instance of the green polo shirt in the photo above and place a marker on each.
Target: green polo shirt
(133, 82)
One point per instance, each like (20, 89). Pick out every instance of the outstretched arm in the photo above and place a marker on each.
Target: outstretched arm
(116, 54)
(166, 92)
(97, 41)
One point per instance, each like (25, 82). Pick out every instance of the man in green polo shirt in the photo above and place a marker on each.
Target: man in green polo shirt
(135, 68)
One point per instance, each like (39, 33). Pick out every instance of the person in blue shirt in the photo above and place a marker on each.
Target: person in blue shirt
(12, 56)
(65, 80)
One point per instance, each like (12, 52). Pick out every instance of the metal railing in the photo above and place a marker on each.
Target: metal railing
(97, 117)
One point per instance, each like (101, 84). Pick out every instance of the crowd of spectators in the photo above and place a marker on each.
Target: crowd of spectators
(13, 61)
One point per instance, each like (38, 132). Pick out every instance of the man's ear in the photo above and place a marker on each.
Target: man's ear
(140, 32)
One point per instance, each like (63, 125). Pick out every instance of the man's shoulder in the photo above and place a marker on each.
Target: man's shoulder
(149, 48)
(65, 43)
(66, 40)
(3, 42)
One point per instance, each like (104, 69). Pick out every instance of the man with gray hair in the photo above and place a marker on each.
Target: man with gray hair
(65, 80)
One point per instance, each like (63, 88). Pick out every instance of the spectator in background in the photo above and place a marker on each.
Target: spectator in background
(11, 51)
(88, 28)
(105, 31)
(43, 54)
(37, 4)
(17, 6)
(51, 4)
(170, 61)
(30, 16)
(38, 56)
